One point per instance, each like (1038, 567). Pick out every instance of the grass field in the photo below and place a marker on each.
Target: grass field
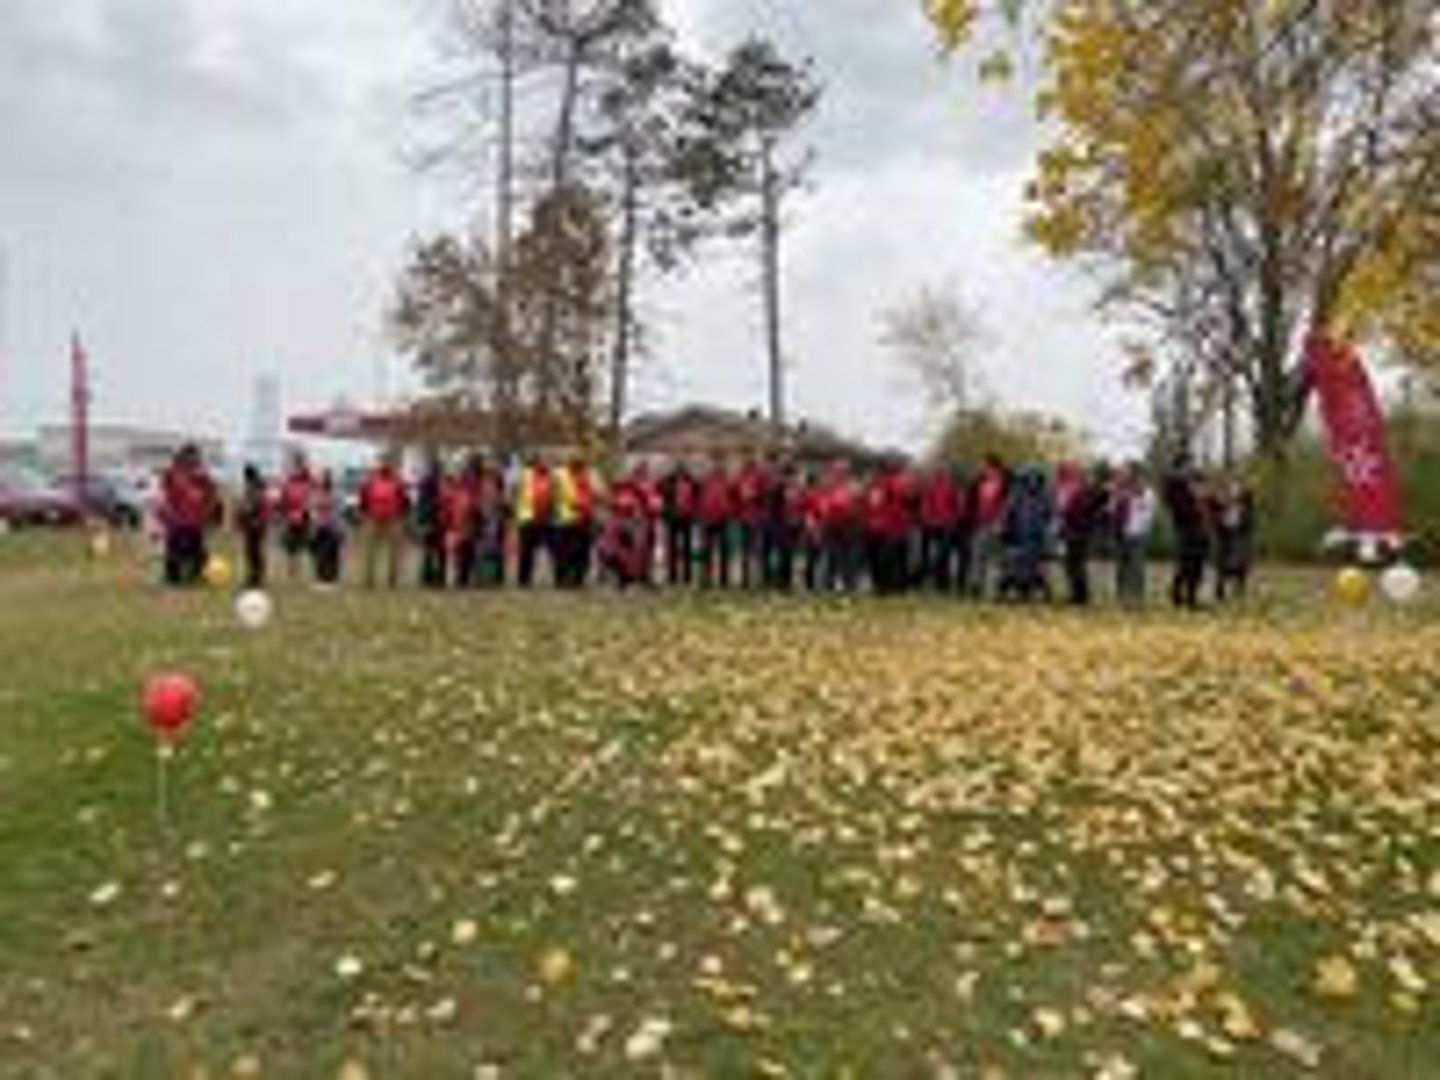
(539, 836)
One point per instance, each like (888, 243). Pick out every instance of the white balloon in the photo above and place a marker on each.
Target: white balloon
(1401, 584)
(254, 609)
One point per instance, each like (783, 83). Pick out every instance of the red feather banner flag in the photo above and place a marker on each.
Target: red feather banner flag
(1368, 489)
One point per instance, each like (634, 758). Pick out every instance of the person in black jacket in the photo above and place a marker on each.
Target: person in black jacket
(1233, 514)
(680, 494)
(253, 519)
(1185, 504)
(430, 523)
(1080, 524)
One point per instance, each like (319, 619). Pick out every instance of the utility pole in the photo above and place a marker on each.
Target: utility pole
(505, 192)
(770, 255)
(501, 405)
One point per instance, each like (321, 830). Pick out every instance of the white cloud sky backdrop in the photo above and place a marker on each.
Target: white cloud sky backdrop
(216, 189)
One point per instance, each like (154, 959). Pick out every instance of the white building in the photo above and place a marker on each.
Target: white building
(122, 447)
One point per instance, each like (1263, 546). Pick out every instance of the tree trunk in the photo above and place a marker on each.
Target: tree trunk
(624, 300)
(770, 255)
(565, 125)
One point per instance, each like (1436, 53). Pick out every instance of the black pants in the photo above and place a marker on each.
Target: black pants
(572, 556)
(777, 556)
(715, 556)
(1232, 566)
(490, 553)
(1231, 582)
(1077, 570)
(815, 564)
(964, 559)
(1191, 556)
(254, 544)
(534, 538)
(467, 562)
(328, 546)
(889, 564)
(752, 551)
(582, 554)
(844, 554)
(434, 565)
(680, 551)
(185, 555)
(937, 558)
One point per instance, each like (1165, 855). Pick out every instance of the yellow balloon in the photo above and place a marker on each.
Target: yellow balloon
(1352, 586)
(217, 572)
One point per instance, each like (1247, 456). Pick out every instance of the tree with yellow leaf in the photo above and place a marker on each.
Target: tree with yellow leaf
(1240, 173)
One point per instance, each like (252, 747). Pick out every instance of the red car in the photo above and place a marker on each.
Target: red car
(26, 499)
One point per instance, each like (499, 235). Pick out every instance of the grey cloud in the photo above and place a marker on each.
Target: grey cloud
(888, 93)
(139, 88)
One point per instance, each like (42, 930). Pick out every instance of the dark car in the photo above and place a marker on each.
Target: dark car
(26, 499)
(105, 499)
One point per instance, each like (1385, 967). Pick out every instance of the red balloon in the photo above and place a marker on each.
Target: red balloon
(169, 703)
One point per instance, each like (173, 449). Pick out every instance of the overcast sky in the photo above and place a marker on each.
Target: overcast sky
(215, 189)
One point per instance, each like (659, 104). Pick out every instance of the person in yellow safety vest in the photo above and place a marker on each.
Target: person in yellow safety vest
(575, 499)
(535, 516)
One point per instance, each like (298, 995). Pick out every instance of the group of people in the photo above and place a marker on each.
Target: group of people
(765, 524)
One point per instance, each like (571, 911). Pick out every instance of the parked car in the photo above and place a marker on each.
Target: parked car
(108, 498)
(26, 499)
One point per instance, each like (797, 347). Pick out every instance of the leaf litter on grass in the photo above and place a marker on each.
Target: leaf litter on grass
(754, 837)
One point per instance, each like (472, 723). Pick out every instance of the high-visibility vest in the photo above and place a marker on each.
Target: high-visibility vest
(573, 496)
(535, 499)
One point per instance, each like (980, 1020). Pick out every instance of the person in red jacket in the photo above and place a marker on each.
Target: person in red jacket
(844, 529)
(384, 503)
(940, 510)
(625, 546)
(716, 510)
(812, 514)
(187, 510)
(888, 525)
(989, 503)
(461, 499)
(652, 510)
(295, 494)
(750, 490)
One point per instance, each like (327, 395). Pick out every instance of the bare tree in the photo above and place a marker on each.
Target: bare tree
(937, 338)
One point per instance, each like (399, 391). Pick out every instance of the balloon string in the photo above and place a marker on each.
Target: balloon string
(162, 788)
